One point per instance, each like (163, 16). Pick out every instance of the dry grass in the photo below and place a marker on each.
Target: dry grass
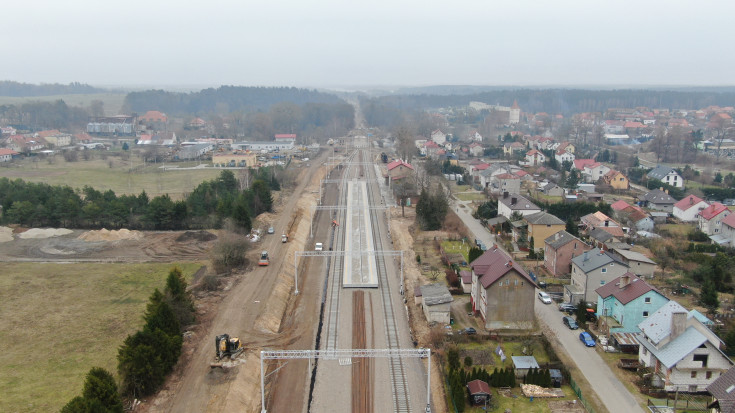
(98, 174)
(470, 196)
(59, 320)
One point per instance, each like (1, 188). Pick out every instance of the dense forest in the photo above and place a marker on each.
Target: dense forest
(208, 206)
(44, 115)
(224, 99)
(563, 101)
(17, 89)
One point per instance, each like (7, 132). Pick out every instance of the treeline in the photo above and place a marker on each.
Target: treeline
(146, 357)
(563, 101)
(575, 210)
(209, 204)
(431, 209)
(44, 115)
(228, 98)
(18, 89)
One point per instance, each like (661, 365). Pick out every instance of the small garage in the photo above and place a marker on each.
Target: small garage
(436, 303)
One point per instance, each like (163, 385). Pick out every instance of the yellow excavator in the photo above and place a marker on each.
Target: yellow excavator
(226, 346)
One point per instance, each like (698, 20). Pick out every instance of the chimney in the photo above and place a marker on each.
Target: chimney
(495, 247)
(586, 257)
(509, 264)
(556, 236)
(660, 188)
(691, 200)
(667, 192)
(513, 200)
(678, 324)
(624, 280)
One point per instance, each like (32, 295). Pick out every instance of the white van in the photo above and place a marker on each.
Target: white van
(318, 246)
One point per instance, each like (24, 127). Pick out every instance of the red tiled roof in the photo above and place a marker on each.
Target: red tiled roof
(712, 211)
(520, 173)
(430, 144)
(398, 163)
(633, 125)
(45, 133)
(729, 221)
(154, 115)
(506, 176)
(619, 205)
(581, 163)
(493, 264)
(688, 202)
(4, 151)
(532, 152)
(481, 166)
(634, 289)
(478, 387)
(466, 277)
(285, 136)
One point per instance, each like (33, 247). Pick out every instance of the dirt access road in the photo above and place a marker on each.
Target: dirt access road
(197, 388)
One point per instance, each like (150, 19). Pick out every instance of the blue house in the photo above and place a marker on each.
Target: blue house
(628, 300)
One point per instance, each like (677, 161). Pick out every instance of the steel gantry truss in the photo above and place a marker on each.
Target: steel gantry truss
(297, 254)
(341, 355)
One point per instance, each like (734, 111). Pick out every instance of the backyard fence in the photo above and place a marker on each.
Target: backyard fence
(578, 392)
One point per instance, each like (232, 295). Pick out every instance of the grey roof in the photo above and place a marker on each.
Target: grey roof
(601, 235)
(525, 362)
(634, 256)
(560, 239)
(436, 294)
(723, 388)
(701, 317)
(677, 349)
(660, 197)
(658, 325)
(660, 172)
(591, 260)
(543, 218)
(522, 204)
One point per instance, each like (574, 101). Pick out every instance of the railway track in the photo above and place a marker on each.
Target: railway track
(401, 395)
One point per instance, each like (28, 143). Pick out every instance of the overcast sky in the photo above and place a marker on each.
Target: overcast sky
(344, 43)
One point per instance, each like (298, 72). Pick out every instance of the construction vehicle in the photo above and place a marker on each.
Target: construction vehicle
(264, 260)
(226, 346)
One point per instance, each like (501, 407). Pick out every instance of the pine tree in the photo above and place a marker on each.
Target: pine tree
(708, 297)
(101, 386)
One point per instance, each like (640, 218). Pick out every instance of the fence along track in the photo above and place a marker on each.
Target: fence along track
(401, 396)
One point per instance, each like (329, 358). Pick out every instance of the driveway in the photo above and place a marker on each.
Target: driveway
(611, 392)
(614, 395)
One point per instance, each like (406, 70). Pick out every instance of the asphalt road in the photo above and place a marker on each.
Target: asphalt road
(611, 392)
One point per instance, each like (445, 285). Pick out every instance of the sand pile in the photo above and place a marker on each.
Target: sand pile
(40, 233)
(6, 234)
(115, 235)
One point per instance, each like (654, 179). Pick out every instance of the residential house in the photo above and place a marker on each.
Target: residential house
(476, 149)
(594, 172)
(23, 143)
(503, 293)
(430, 149)
(682, 353)
(399, 169)
(722, 391)
(628, 300)
(438, 137)
(534, 157)
(559, 249)
(658, 199)
(567, 146)
(525, 176)
(510, 203)
(591, 270)
(710, 219)
(728, 229)
(616, 180)
(541, 226)
(638, 263)
(688, 209)
(436, 302)
(509, 149)
(598, 220)
(7, 155)
(553, 189)
(475, 136)
(505, 183)
(154, 119)
(667, 175)
(637, 217)
(599, 238)
(562, 156)
(579, 164)
(54, 137)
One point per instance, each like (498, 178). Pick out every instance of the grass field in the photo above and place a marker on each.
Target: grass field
(59, 320)
(457, 247)
(98, 174)
(470, 196)
(112, 101)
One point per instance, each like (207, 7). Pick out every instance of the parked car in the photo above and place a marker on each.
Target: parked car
(318, 246)
(271, 230)
(470, 331)
(567, 308)
(587, 339)
(569, 322)
(544, 297)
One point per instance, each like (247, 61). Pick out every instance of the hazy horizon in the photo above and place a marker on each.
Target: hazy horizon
(377, 44)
